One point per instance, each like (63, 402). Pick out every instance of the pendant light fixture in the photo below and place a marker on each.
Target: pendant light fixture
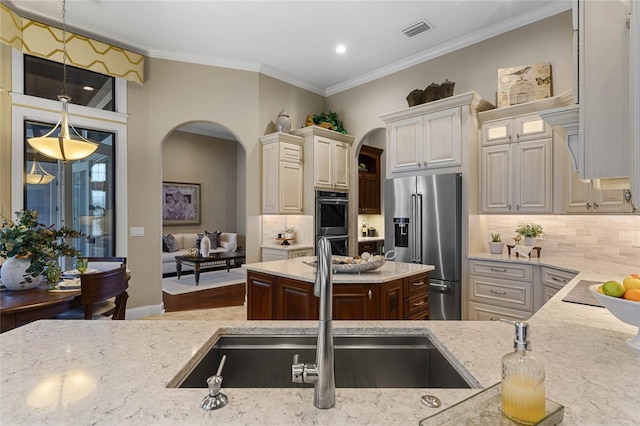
(67, 146)
(38, 175)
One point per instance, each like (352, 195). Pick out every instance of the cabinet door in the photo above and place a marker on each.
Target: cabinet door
(497, 132)
(291, 187)
(442, 139)
(533, 176)
(368, 193)
(610, 200)
(496, 183)
(322, 163)
(295, 300)
(341, 159)
(530, 127)
(354, 302)
(404, 138)
(391, 300)
(270, 178)
(578, 192)
(273, 254)
(260, 296)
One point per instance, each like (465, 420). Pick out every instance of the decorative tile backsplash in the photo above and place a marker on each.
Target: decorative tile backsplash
(274, 224)
(599, 237)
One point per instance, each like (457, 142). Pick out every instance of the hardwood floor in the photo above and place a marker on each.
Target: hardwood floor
(230, 313)
(231, 295)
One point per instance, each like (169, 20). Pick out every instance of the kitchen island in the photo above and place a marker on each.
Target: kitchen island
(116, 372)
(283, 290)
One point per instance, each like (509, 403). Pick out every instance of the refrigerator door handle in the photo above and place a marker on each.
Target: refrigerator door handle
(418, 233)
(412, 224)
(442, 288)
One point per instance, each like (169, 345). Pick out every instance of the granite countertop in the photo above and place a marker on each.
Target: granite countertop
(297, 270)
(367, 239)
(116, 372)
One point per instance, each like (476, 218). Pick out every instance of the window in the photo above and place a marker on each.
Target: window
(83, 193)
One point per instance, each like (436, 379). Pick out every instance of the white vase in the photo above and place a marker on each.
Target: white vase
(205, 246)
(12, 274)
(496, 247)
(283, 122)
(529, 241)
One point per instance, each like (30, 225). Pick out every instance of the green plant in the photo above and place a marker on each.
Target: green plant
(530, 230)
(330, 117)
(28, 239)
(290, 229)
(495, 238)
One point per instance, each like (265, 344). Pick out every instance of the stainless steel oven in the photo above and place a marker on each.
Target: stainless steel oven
(332, 213)
(339, 244)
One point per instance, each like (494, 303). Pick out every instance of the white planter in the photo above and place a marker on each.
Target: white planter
(12, 274)
(496, 248)
(529, 241)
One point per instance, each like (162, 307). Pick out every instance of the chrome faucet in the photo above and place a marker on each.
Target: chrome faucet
(322, 373)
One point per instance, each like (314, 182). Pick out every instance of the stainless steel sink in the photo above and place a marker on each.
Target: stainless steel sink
(380, 361)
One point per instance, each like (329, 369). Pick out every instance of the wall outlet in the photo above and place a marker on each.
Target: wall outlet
(136, 231)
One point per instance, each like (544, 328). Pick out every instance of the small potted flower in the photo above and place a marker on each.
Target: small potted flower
(529, 231)
(289, 231)
(496, 245)
(32, 250)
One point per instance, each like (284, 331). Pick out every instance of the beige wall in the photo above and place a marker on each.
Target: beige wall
(210, 162)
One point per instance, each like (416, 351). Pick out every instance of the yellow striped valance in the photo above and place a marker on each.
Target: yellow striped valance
(38, 39)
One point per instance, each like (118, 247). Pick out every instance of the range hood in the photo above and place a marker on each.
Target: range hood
(567, 118)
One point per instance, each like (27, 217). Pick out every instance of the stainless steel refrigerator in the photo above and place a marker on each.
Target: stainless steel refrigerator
(423, 224)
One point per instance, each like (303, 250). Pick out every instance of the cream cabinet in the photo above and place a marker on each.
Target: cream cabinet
(551, 281)
(499, 290)
(431, 136)
(516, 166)
(328, 156)
(282, 174)
(275, 253)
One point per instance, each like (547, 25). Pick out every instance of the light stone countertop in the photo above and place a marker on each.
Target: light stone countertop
(115, 372)
(297, 270)
(287, 248)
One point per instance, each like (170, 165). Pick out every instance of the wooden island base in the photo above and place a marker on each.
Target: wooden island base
(274, 297)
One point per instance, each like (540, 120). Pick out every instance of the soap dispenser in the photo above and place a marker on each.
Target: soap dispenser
(523, 396)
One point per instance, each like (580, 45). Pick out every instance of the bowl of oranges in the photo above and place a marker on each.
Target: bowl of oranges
(623, 301)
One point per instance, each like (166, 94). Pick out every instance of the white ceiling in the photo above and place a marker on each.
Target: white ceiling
(293, 41)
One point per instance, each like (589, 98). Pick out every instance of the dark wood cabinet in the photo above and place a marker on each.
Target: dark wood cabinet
(369, 176)
(261, 296)
(373, 247)
(272, 297)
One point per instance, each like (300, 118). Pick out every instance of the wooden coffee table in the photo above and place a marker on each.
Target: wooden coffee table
(214, 259)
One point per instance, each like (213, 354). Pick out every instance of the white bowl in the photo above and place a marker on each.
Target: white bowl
(625, 310)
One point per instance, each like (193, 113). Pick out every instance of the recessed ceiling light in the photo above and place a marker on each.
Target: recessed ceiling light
(341, 48)
(88, 88)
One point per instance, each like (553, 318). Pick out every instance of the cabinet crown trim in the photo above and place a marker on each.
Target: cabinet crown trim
(471, 98)
(319, 131)
(281, 137)
(563, 100)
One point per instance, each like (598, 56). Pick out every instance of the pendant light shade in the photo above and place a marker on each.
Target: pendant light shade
(68, 145)
(38, 175)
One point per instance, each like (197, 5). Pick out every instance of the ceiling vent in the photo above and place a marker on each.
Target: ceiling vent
(416, 28)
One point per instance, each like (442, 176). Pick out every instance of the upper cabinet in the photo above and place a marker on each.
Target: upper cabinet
(328, 157)
(431, 135)
(599, 127)
(282, 174)
(369, 180)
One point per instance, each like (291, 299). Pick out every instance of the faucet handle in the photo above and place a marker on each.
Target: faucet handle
(297, 370)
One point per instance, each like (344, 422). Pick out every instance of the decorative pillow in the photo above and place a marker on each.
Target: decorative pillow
(215, 238)
(171, 243)
(164, 244)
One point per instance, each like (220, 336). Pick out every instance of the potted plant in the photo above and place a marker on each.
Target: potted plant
(496, 245)
(529, 231)
(289, 231)
(332, 118)
(31, 249)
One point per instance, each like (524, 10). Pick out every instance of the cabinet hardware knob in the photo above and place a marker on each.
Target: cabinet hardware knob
(595, 205)
(420, 303)
(370, 294)
(588, 206)
(418, 284)
(498, 292)
(509, 206)
(559, 279)
(498, 270)
(517, 206)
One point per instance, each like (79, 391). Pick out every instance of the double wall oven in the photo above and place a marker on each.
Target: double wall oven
(332, 220)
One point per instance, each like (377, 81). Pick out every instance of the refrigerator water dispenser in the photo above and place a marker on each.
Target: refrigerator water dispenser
(401, 231)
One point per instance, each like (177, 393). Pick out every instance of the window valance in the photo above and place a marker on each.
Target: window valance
(42, 40)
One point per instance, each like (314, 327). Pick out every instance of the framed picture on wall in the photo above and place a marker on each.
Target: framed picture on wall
(180, 203)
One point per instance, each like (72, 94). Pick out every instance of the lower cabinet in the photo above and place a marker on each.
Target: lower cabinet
(371, 247)
(551, 281)
(269, 253)
(273, 297)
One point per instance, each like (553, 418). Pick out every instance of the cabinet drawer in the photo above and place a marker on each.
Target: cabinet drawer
(417, 285)
(483, 312)
(415, 303)
(555, 277)
(269, 255)
(501, 270)
(290, 152)
(369, 246)
(299, 253)
(510, 294)
(419, 315)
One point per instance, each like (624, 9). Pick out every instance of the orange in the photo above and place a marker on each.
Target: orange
(632, 294)
(600, 290)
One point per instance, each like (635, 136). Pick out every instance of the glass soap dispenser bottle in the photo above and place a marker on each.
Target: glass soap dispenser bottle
(523, 396)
